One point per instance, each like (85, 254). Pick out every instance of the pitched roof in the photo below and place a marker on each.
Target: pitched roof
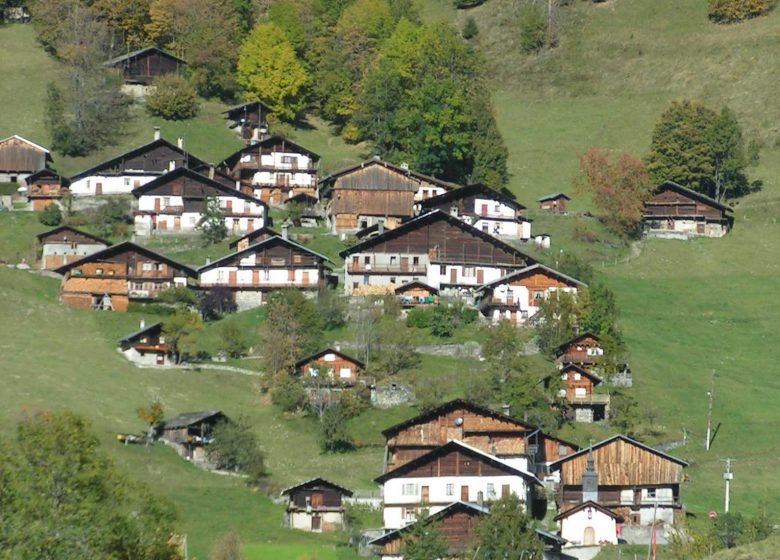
(253, 235)
(120, 248)
(556, 464)
(397, 168)
(328, 350)
(26, 141)
(528, 270)
(469, 190)
(691, 193)
(46, 172)
(151, 329)
(187, 419)
(577, 369)
(316, 482)
(301, 198)
(584, 505)
(562, 347)
(456, 445)
(247, 105)
(194, 175)
(192, 161)
(58, 229)
(553, 196)
(231, 160)
(428, 218)
(134, 54)
(451, 405)
(448, 510)
(259, 245)
(417, 283)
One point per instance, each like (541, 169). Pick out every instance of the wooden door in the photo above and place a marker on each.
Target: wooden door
(589, 538)
(228, 205)
(232, 278)
(464, 493)
(305, 280)
(157, 205)
(176, 223)
(404, 264)
(316, 523)
(505, 490)
(425, 494)
(291, 275)
(453, 275)
(480, 276)
(255, 277)
(98, 188)
(484, 209)
(316, 499)
(355, 262)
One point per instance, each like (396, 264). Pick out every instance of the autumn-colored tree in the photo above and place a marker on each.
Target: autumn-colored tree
(151, 415)
(179, 330)
(126, 22)
(731, 11)
(618, 189)
(270, 71)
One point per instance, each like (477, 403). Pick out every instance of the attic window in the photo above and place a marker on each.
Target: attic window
(99, 271)
(297, 259)
(538, 294)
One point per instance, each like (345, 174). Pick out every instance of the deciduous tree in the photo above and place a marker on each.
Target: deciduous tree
(234, 446)
(173, 98)
(179, 330)
(505, 533)
(423, 540)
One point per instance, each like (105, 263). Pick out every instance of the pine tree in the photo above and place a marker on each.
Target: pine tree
(212, 224)
(505, 534)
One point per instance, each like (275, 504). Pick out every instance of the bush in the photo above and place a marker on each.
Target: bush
(334, 435)
(470, 29)
(288, 393)
(732, 11)
(533, 26)
(217, 302)
(419, 318)
(173, 98)
(232, 340)
(51, 215)
(178, 295)
(443, 322)
(234, 446)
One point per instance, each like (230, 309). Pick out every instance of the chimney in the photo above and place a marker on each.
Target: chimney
(238, 185)
(337, 347)
(180, 142)
(143, 324)
(211, 171)
(171, 165)
(208, 260)
(285, 232)
(156, 132)
(505, 409)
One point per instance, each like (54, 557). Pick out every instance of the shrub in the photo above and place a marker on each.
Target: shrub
(287, 392)
(533, 26)
(334, 435)
(232, 340)
(443, 322)
(51, 215)
(234, 446)
(178, 295)
(173, 98)
(732, 11)
(470, 29)
(419, 318)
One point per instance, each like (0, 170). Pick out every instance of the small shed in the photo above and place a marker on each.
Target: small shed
(316, 505)
(248, 119)
(190, 432)
(65, 244)
(331, 363)
(141, 67)
(555, 202)
(147, 346)
(19, 158)
(45, 187)
(416, 294)
(589, 524)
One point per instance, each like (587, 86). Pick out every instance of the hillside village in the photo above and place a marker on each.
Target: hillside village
(396, 358)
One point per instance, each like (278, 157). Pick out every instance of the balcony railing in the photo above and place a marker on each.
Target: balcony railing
(312, 283)
(360, 268)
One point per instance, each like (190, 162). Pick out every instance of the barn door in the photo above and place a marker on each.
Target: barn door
(316, 499)
(453, 275)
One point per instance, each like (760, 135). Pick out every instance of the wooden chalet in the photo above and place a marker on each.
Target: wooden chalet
(450, 472)
(45, 187)
(190, 432)
(112, 278)
(147, 346)
(374, 192)
(273, 169)
(518, 295)
(248, 119)
(251, 238)
(19, 158)
(65, 244)
(555, 202)
(262, 267)
(487, 209)
(633, 480)
(583, 350)
(331, 364)
(416, 294)
(674, 209)
(141, 67)
(455, 523)
(578, 384)
(435, 248)
(316, 505)
(175, 203)
(310, 216)
(132, 169)
(589, 524)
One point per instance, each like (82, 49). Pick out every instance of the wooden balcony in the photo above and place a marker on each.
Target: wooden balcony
(315, 283)
(361, 268)
(592, 399)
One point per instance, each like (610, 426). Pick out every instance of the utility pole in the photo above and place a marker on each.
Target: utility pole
(727, 476)
(711, 396)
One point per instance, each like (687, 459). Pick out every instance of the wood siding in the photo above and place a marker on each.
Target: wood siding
(18, 156)
(453, 463)
(669, 203)
(335, 367)
(145, 67)
(319, 497)
(457, 530)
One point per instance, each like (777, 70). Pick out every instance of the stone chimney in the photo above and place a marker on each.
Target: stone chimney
(180, 142)
(211, 171)
(156, 132)
(590, 481)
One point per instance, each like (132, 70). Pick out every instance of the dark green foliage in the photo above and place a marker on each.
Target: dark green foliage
(178, 296)
(212, 224)
(423, 541)
(442, 319)
(288, 392)
(533, 28)
(179, 330)
(399, 350)
(235, 447)
(111, 219)
(62, 498)
(51, 215)
(623, 412)
(232, 340)
(334, 434)
(215, 303)
(490, 154)
(470, 29)
(293, 328)
(419, 317)
(729, 528)
(442, 322)
(572, 265)
(732, 11)
(558, 321)
(505, 534)
(173, 98)
(332, 308)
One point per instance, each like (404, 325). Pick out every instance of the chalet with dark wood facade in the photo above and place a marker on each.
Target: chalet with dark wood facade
(518, 295)
(175, 203)
(274, 263)
(249, 120)
(316, 505)
(435, 248)
(251, 238)
(583, 350)
(375, 192)
(19, 158)
(112, 278)
(130, 170)
(273, 170)
(141, 67)
(330, 365)
(455, 523)
(577, 388)
(673, 208)
(65, 244)
(190, 433)
(633, 480)
(450, 472)
(484, 208)
(45, 187)
(555, 202)
(147, 346)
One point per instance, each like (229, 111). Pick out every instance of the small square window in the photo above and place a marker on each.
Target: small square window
(99, 271)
